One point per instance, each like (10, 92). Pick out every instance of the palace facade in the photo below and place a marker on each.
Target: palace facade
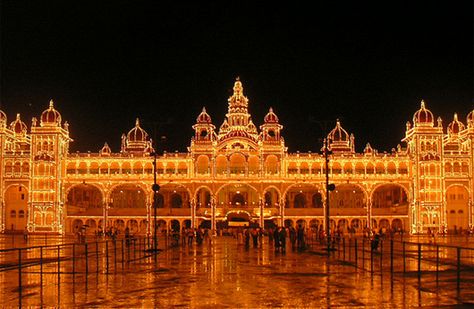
(239, 173)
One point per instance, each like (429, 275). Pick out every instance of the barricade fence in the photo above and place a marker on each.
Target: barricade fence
(79, 259)
(432, 262)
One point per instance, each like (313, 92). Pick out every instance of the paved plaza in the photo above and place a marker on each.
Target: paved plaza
(220, 273)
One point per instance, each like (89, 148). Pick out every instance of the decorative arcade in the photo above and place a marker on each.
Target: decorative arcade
(236, 175)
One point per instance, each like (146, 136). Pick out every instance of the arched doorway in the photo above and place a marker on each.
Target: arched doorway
(457, 212)
(175, 226)
(236, 196)
(238, 218)
(133, 226)
(397, 225)
(76, 226)
(348, 199)
(91, 226)
(127, 199)
(16, 208)
(390, 199)
(288, 223)
(302, 196)
(84, 199)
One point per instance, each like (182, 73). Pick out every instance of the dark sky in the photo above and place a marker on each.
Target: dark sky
(107, 62)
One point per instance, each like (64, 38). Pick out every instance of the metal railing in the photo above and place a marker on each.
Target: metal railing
(99, 257)
(395, 256)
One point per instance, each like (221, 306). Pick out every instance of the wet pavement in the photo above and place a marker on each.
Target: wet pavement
(224, 274)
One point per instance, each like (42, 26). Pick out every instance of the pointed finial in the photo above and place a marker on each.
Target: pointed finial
(203, 109)
(422, 103)
(137, 122)
(238, 86)
(51, 103)
(455, 116)
(270, 110)
(237, 78)
(18, 116)
(338, 123)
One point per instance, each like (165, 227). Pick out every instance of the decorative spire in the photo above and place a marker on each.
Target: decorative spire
(51, 103)
(422, 104)
(238, 88)
(455, 116)
(137, 122)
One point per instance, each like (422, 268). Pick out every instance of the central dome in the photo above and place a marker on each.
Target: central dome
(338, 134)
(423, 116)
(50, 117)
(137, 134)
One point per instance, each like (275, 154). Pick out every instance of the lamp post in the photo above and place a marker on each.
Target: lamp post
(329, 188)
(155, 187)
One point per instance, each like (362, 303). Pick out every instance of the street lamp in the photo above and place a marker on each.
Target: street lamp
(329, 188)
(155, 187)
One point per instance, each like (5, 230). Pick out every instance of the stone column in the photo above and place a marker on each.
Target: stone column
(213, 210)
(282, 212)
(193, 213)
(369, 214)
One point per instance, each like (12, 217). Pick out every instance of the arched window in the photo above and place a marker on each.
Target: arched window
(271, 164)
(304, 168)
(300, 201)
(317, 200)
(292, 169)
(176, 201)
(160, 203)
(202, 164)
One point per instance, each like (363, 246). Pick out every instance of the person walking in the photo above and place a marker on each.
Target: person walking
(247, 238)
(255, 237)
(25, 234)
(199, 236)
(190, 236)
(292, 232)
(127, 236)
(276, 238)
(300, 237)
(282, 238)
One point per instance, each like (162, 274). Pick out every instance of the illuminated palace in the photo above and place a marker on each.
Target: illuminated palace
(238, 173)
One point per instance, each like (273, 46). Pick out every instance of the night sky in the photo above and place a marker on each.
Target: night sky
(105, 63)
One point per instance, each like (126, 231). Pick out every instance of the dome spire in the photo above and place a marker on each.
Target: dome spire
(137, 122)
(51, 103)
(238, 88)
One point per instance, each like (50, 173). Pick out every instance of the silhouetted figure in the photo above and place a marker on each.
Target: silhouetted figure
(199, 236)
(25, 234)
(282, 237)
(247, 238)
(300, 237)
(255, 237)
(276, 238)
(190, 236)
(292, 233)
(270, 236)
(375, 242)
(127, 236)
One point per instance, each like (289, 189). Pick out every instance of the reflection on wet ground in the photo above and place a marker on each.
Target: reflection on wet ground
(225, 274)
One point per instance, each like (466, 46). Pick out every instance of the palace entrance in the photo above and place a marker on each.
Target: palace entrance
(238, 218)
